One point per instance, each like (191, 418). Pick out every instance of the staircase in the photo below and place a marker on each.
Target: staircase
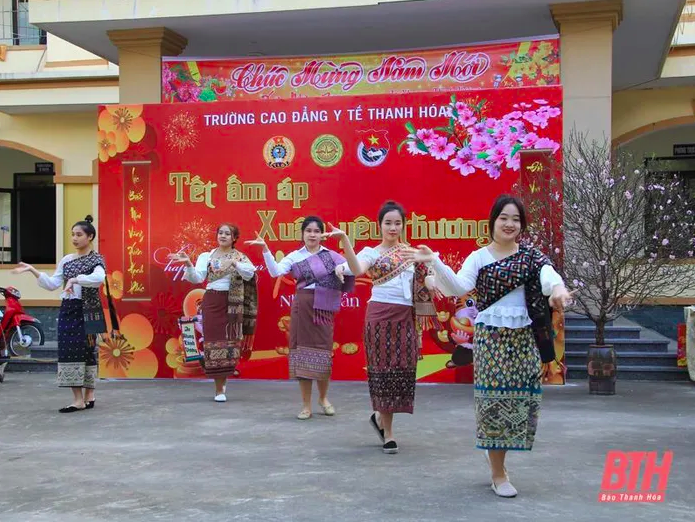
(639, 359)
(43, 359)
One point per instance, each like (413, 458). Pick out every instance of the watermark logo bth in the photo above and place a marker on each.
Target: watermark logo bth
(635, 476)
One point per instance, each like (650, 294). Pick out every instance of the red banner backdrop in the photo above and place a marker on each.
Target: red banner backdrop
(483, 66)
(170, 173)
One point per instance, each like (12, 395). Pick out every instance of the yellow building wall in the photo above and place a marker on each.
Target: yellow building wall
(639, 111)
(69, 136)
(72, 138)
(77, 201)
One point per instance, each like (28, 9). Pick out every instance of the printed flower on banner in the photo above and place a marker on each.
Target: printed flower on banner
(163, 313)
(125, 122)
(175, 355)
(115, 280)
(106, 145)
(116, 353)
(481, 143)
(129, 356)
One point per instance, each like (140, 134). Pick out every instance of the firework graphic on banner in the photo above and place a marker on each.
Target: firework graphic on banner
(181, 132)
(195, 237)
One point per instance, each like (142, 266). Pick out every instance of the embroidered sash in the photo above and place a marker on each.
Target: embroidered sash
(523, 268)
(319, 270)
(242, 304)
(391, 264)
(94, 319)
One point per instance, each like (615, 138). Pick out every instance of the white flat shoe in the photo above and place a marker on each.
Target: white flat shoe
(304, 415)
(505, 489)
(221, 398)
(328, 409)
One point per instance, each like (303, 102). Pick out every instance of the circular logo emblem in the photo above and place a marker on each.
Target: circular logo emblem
(326, 150)
(278, 152)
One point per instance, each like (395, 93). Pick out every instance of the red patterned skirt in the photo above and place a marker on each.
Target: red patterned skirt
(311, 344)
(390, 340)
(221, 344)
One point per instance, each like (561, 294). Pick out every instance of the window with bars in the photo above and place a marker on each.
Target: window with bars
(15, 28)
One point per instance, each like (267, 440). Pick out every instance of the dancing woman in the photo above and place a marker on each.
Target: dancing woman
(511, 281)
(399, 309)
(81, 316)
(229, 308)
(314, 306)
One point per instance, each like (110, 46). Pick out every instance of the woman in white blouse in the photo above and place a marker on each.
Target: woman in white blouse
(510, 281)
(392, 338)
(315, 303)
(81, 316)
(229, 308)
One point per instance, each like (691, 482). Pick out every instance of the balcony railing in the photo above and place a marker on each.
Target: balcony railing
(15, 28)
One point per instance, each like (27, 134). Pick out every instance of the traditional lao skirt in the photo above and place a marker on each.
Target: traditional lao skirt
(390, 339)
(311, 344)
(221, 340)
(507, 387)
(77, 363)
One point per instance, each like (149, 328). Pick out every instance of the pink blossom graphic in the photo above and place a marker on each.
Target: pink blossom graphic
(547, 143)
(427, 136)
(467, 117)
(441, 149)
(481, 143)
(463, 162)
(529, 140)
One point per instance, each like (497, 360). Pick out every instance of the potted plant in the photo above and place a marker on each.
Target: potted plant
(624, 235)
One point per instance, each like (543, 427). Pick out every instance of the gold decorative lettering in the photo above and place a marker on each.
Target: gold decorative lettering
(297, 193)
(178, 179)
(536, 166)
(238, 191)
(267, 217)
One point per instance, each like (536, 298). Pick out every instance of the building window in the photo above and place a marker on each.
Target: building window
(15, 28)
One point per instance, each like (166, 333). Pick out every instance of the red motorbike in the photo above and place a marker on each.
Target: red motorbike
(19, 331)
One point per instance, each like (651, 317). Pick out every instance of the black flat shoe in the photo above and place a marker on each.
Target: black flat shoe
(374, 424)
(391, 448)
(89, 405)
(70, 409)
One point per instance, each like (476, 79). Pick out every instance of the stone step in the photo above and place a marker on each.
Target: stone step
(27, 364)
(580, 320)
(629, 359)
(611, 332)
(49, 350)
(620, 345)
(634, 373)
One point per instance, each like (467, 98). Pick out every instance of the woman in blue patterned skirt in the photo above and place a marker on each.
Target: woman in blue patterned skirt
(81, 317)
(512, 332)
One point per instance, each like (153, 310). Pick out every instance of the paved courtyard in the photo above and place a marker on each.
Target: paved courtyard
(164, 451)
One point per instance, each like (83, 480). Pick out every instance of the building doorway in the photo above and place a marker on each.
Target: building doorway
(27, 210)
